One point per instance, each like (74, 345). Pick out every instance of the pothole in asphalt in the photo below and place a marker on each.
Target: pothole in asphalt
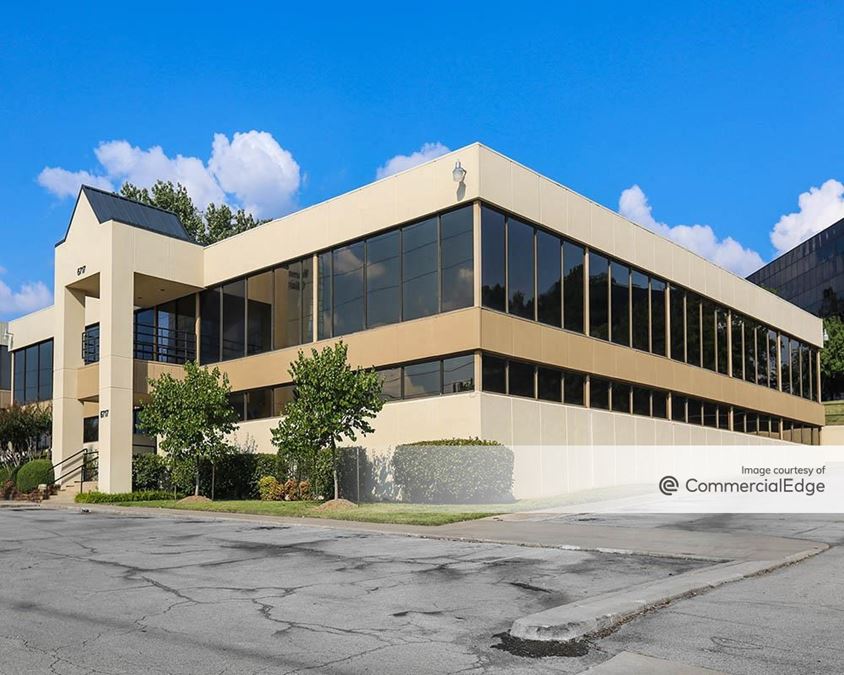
(537, 649)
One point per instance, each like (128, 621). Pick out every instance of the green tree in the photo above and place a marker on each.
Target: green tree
(20, 429)
(334, 402)
(192, 415)
(215, 223)
(832, 355)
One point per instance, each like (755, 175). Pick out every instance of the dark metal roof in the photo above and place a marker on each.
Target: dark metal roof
(109, 206)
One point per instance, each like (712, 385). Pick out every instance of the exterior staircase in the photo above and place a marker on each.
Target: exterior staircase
(66, 494)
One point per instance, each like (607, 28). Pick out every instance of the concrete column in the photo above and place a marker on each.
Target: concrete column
(116, 368)
(67, 359)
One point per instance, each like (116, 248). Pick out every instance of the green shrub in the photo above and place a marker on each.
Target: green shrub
(454, 471)
(34, 473)
(149, 472)
(270, 488)
(234, 477)
(5, 474)
(105, 498)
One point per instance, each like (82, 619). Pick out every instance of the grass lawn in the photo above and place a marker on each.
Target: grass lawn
(404, 514)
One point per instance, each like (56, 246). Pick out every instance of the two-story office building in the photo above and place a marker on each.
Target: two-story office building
(495, 302)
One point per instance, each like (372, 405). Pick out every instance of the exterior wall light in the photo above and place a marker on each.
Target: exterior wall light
(459, 173)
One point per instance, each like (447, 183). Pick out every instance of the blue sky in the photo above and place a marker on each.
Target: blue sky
(723, 114)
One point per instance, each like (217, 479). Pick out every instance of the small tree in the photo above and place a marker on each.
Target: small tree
(832, 356)
(333, 402)
(21, 427)
(192, 415)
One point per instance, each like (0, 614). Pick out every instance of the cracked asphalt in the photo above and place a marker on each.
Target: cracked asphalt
(100, 593)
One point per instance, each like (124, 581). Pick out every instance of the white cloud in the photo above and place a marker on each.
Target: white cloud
(64, 183)
(402, 162)
(252, 171)
(819, 208)
(31, 296)
(727, 252)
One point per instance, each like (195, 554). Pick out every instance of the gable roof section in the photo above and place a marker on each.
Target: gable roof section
(109, 206)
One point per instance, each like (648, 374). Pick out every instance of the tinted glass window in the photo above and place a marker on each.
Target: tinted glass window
(419, 269)
(695, 411)
(721, 339)
(773, 375)
(281, 397)
(710, 415)
(383, 279)
(307, 299)
(573, 388)
(762, 356)
(348, 288)
(549, 279)
(678, 323)
(641, 401)
(209, 326)
(692, 329)
(737, 338)
(749, 351)
(785, 361)
(708, 334)
(738, 420)
(5, 368)
(390, 384)
(520, 268)
(458, 374)
(599, 393)
(90, 429)
(45, 371)
(598, 296)
(422, 379)
(620, 304)
(520, 380)
(259, 313)
(678, 408)
(19, 364)
(621, 397)
(550, 384)
(457, 252)
(573, 286)
(492, 262)
(324, 328)
(237, 400)
(658, 317)
(804, 370)
(494, 377)
(639, 288)
(259, 404)
(31, 382)
(293, 292)
(234, 319)
(659, 401)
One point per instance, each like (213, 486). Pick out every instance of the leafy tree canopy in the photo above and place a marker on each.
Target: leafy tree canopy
(20, 429)
(192, 415)
(832, 354)
(216, 222)
(333, 402)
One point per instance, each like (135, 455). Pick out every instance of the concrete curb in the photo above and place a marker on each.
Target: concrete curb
(604, 613)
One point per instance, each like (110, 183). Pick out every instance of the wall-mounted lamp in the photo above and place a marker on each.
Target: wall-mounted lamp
(459, 173)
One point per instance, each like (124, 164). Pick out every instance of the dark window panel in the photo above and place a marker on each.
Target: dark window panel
(91, 429)
(422, 379)
(573, 384)
(762, 356)
(31, 381)
(599, 393)
(641, 401)
(598, 296)
(520, 381)
(773, 348)
(5, 368)
(281, 397)
(259, 404)
(324, 299)
(678, 323)
(457, 255)
(19, 380)
(693, 355)
(796, 379)
(550, 384)
(708, 334)
(494, 374)
(45, 371)
(620, 397)
(348, 288)
(549, 279)
(458, 374)
(390, 383)
(640, 309)
(660, 404)
(234, 319)
(620, 299)
(804, 371)
(722, 348)
(695, 411)
(710, 415)
(738, 345)
(573, 287)
(785, 361)
(383, 279)
(493, 266)
(307, 299)
(520, 269)
(678, 408)
(144, 347)
(658, 317)
(259, 313)
(420, 278)
(749, 350)
(237, 400)
(739, 417)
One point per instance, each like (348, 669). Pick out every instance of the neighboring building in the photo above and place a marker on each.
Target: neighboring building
(503, 306)
(811, 275)
(5, 367)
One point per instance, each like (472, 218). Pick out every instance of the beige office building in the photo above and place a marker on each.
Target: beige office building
(496, 303)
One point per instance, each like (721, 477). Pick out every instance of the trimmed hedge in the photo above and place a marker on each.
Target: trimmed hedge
(34, 473)
(149, 472)
(105, 498)
(454, 471)
(5, 474)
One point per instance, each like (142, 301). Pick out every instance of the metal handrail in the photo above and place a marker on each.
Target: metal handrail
(88, 455)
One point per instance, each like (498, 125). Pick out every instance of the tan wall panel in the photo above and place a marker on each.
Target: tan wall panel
(5, 398)
(32, 328)
(88, 382)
